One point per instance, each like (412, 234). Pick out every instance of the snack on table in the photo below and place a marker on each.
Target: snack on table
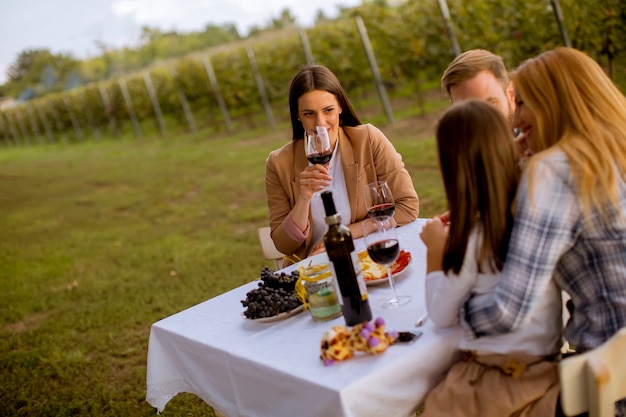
(373, 271)
(340, 342)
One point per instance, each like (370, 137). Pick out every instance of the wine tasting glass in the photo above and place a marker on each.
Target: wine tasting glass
(317, 146)
(379, 200)
(381, 241)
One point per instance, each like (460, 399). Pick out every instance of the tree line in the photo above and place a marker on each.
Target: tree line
(37, 72)
(411, 43)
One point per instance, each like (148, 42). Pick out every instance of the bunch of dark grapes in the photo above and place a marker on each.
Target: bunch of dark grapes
(274, 295)
(279, 280)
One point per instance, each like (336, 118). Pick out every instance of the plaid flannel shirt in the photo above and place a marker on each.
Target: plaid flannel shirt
(552, 240)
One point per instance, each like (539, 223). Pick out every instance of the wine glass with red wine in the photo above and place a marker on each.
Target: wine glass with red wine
(381, 240)
(317, 146)
(379, 200)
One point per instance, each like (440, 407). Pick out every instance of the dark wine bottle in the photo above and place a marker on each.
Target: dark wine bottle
(345, 266)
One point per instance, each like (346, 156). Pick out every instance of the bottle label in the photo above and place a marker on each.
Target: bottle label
(359, 274)
(336, 282)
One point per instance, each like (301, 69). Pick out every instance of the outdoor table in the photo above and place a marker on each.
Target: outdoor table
(245, 368)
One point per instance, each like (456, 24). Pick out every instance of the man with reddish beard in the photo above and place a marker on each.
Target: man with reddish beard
(482, 75)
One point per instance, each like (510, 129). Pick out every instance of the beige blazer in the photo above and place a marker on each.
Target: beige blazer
(367, 156)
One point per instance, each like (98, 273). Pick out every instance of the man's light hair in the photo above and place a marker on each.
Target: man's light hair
(467, 65)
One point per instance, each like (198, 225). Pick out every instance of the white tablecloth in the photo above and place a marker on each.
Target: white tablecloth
(243, 368)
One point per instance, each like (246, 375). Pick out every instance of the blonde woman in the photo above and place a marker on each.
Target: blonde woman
(570, 222)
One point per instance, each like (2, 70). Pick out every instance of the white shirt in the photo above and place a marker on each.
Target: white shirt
(340, 197)
(541, 332)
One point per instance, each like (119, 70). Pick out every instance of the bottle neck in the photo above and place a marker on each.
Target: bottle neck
(333, 219)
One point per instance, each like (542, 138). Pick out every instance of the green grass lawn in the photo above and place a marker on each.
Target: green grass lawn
(100, 240)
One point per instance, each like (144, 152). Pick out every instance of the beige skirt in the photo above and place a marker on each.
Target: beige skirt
(495, 385)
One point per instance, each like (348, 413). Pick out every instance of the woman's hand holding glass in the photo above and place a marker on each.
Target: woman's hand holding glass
(315, 178)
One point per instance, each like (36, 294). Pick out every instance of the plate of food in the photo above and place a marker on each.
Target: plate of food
(376, 274)
(274, 298)
(277, 317)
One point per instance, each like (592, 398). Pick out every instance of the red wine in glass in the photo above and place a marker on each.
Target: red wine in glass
(382, 211)
(381, 241)
(384, 252)
(317, 146)
(379, 201)
(321, 159)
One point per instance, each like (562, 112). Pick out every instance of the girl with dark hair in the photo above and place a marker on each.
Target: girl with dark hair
(361, 154)
(504, 375)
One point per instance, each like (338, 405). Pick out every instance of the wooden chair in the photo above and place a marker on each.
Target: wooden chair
(593, 381)
(565, 348)
(269, 249)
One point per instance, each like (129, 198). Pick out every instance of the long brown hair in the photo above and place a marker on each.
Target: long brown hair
(318, 77)
(579, 109)
(480, 170)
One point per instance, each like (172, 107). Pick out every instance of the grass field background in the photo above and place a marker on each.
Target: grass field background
(99, 240)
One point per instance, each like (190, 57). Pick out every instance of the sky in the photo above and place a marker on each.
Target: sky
(78, 26)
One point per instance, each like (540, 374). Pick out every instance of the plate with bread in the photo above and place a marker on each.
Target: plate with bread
(376, 274)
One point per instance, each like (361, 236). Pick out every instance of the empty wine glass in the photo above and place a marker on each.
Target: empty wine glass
(379, 200)
(381, 241)
(317, 146)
